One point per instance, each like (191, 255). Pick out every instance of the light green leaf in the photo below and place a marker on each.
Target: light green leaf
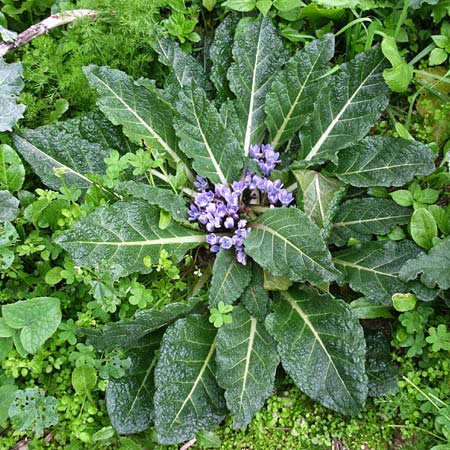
(401, 73)
(12, 172)
(258, 54)
(434, 267)
(75, 147)
(37, 318)
(404, 302)
(286, 243)
(318, 191)
(423, 228)
(255, 298)
(32, 411)
(373, 269)
(295, 89)
(187, 397)
(144, 117)
(363, 308)
(361, 218)
(9, 206)
(165, 199)
(124, 234)
(247, 360)
(11, 84)
(229, 279)
(208, 439)
(437, 56)
(221, 55)
(216, 152)
(104, 434)
(322, 347)
(384, 161)
(5, 330)
(129, 399)
(346, 108)
(7, 396)
(381, 370)
(84, 379)
(240, 5)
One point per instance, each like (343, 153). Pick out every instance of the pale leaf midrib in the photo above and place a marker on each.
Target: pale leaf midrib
(363, 221)
(173, 240)
(251, 339)
(344, 263)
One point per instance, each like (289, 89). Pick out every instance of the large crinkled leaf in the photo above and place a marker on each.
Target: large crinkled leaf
(229, 279)
(129, 399)
(75, 148)
(221, 55)
(247, 360)
(216, 152)
(126, 332)
(187, 397)
(373, 268)
(11, 84)
(12, 171)
(258, 54)
(318, 191)
(123, 234)
(434, 267)
(346, 108)
(361, 218)
(383, 161)
(165, 199)
(322, 347)
(144, 117)
(255, 298)
(286, 243)
(295, 89)
(9, 206)
(186, 69)
(381, 370)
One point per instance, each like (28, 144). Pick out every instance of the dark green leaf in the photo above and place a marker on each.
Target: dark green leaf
(144, 117)
(258, 54)
(123, 234)
(362, 218)
(286, 243)
(129, 399)
(318, 191)
(434, 267)
(216, 152)
(295, 89)
(75, 148)
(229, 279)
(322, 347)
(373, 268)
(255, 298)
(165, 199)
(381, 370)
(221, 55)
(187, 397)
(346, 108)
(12, 172)
(383, 161)
(246, 363)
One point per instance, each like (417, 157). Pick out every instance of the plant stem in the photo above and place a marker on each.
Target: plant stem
(44, 27)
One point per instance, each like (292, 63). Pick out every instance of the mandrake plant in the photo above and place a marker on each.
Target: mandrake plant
(266, 163)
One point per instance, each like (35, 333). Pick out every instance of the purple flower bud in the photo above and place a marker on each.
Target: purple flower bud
(201, 184)
(210, 226)
(239, 187)
(229, 223)
(241, 257)
(242, 223)
(212, 239)
(285, 197)
(214, 248)
(226, 242)
(255, 152)
(202, 199)
(193, 212)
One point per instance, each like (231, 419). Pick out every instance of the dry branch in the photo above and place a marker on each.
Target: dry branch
(44, 27)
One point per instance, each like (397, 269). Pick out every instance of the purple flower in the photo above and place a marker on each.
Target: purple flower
(201, 184)
(229, 223)
(204, 198)
(226, 242)
(285, 197)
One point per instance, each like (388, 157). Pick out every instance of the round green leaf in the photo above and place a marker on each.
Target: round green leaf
(404, 302)
(84, 379)
(423, 228)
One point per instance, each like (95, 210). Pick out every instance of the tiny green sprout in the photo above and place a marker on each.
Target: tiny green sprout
(219, 315)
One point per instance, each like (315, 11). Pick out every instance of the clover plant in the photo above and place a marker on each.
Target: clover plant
(261, 161)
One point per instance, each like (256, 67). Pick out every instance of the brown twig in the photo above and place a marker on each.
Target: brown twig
(44, 27)
(188, 444)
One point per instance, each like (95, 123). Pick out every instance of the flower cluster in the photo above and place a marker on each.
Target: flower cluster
(221, 210)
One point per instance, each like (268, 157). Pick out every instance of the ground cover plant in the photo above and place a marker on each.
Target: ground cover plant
(221, 214)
